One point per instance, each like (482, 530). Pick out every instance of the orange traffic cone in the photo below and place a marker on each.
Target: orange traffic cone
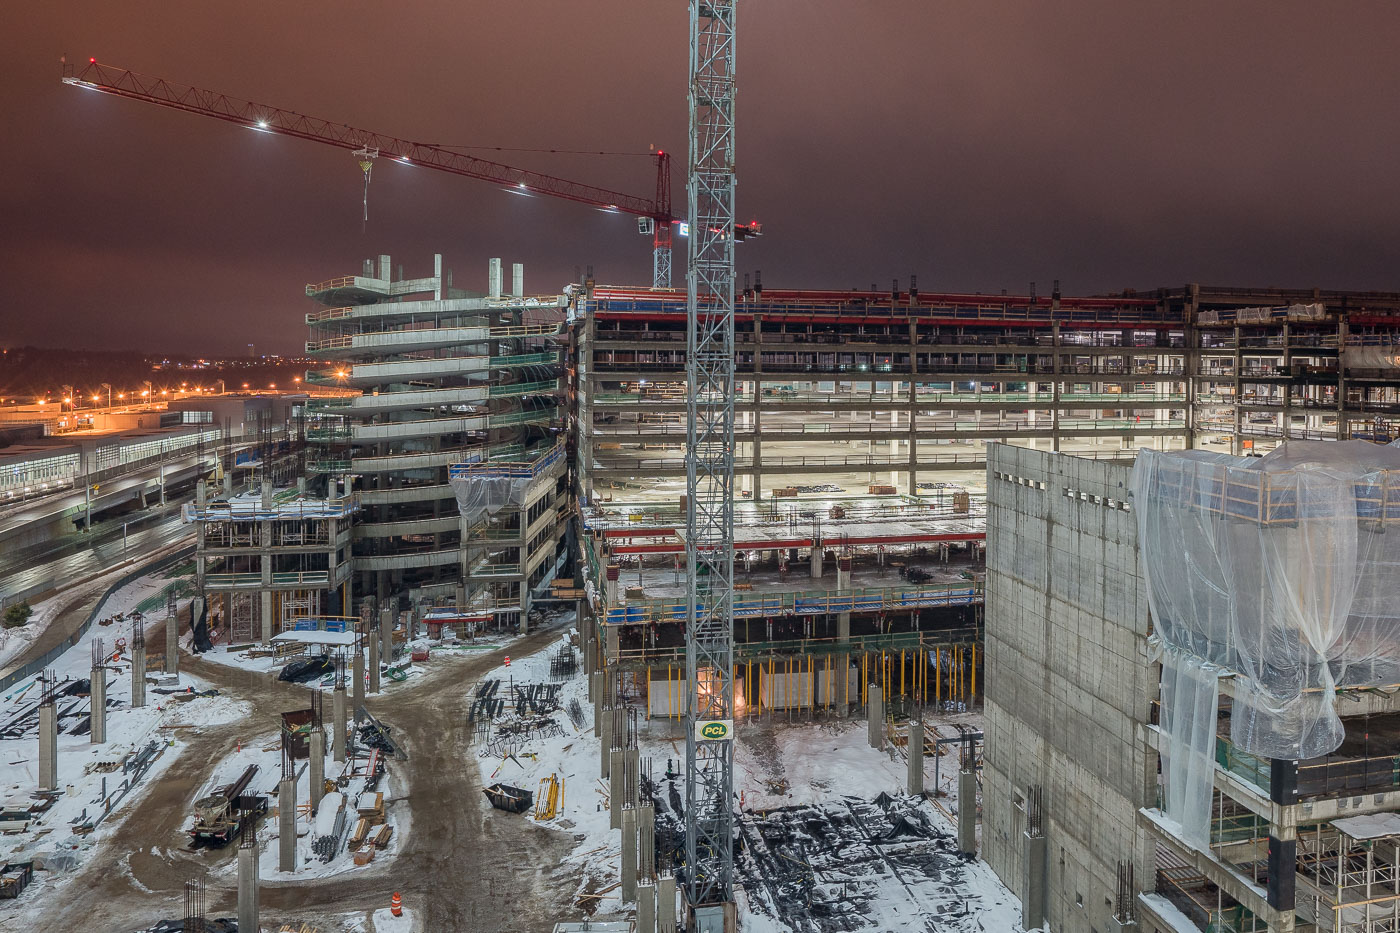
(396, 905)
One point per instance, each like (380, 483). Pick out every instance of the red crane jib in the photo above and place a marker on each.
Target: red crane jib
(269, 119)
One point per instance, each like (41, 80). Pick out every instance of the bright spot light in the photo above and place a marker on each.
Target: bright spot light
(97, 398)
(262, 124)
(522, 187)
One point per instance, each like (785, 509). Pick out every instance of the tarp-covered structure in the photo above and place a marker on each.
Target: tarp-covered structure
(1280, 570)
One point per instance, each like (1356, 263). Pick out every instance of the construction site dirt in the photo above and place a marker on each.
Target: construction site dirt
(514, 883)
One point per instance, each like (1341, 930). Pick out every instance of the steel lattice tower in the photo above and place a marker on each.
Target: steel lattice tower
(709, 519)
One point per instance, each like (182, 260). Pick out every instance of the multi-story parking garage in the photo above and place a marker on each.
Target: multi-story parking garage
(447, 379)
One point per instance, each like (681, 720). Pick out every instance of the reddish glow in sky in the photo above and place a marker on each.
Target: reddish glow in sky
(980, 145)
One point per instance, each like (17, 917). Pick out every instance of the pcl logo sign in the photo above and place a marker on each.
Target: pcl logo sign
(714, 730)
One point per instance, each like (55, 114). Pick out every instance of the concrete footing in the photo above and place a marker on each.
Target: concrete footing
(48, 747)
(967, 812)
(666, 904)
(629, 854)
(98, 705)
(138, 677)
(338, 723)
(317, 767)
(287, 825)
(875, 716)
(915, 781)
(248, 886)
(646, 907)
(617, 787)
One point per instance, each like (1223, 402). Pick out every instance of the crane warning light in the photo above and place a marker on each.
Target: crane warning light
(92, 61)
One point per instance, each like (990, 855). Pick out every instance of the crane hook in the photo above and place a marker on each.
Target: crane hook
(366, 158)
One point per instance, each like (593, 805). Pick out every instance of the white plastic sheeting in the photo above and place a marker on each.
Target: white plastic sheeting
(1279, 569)
(479, 495)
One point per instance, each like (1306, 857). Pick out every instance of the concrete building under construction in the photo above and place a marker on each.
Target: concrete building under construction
(448, 380)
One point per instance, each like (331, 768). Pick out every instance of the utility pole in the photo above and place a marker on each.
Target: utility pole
(709, 644)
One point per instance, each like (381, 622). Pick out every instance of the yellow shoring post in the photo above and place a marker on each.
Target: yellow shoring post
(772, 687)
(901, 672)
(787, 686)
(973, 669)
(863, 667)
(811, 689)
(938, 676)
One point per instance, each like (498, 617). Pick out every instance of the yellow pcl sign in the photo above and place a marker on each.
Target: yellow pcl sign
(714, 730)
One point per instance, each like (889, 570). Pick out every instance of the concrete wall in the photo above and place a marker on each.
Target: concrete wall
(1068, 682)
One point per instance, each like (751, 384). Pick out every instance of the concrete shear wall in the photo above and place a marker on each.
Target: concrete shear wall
(1068, 680)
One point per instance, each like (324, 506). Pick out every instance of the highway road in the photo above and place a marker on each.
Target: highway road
(77, 554)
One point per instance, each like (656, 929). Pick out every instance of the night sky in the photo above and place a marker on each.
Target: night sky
(981, 145)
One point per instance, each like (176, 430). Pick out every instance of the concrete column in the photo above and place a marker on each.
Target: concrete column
(629, 853)
(1033, 890)
(493, 278)
(317, 768)
(967, 812)
(617, 789)
(48, 747)
(373, 663)
(646, 841)
(817, 556)
(612, 646)
(915, 785)
(843, 626)
(386, 637)
(138, 676)
(172, 645)
(666, 904)
(517, 280)
(248, 885)
(338, 728)
(875, 715)
(605, 741)
(634, 776)
(357, 681)
(98, 706)
(843, 573)
(287, 825)
(646, 907)
(595, 683)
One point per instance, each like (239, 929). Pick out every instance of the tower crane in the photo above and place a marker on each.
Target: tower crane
(653, 212)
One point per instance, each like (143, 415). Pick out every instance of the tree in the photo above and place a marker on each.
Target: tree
(17, 615)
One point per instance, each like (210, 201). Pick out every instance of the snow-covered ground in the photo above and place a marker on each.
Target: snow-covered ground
(827, 766)
(84, 769)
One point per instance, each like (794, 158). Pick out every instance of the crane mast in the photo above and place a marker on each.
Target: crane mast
(709, 519)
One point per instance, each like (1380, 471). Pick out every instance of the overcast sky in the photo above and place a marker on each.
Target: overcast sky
(981, 145)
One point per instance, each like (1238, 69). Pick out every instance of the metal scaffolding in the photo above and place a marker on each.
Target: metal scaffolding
(710, 457)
